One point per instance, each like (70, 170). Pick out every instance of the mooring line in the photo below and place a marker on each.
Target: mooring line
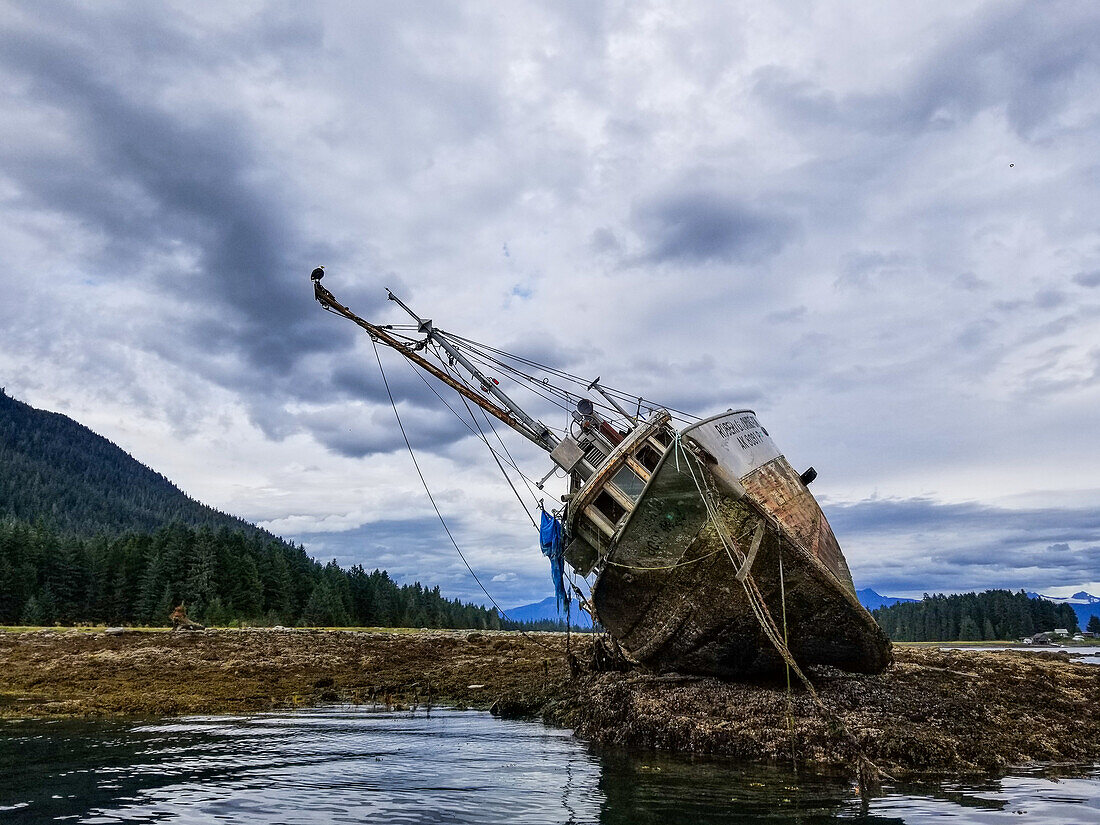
(424, 482)
(435, 506)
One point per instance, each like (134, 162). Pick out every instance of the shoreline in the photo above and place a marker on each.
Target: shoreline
(932, 713)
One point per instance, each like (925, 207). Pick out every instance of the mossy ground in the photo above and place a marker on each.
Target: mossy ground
(941, 712)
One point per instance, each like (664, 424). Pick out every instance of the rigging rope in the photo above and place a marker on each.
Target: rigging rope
(484, 349)
(790, 707)
(511, 461)
(435, 506)
(496, 458)
(532, 382)
(464, 422)
(508, 453)
(424, 482)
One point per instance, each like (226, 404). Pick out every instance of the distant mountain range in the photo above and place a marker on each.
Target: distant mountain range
(872, 600)
(1085, 605)
(548, 609)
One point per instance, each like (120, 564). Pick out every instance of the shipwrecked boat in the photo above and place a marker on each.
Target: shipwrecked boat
(698, 548)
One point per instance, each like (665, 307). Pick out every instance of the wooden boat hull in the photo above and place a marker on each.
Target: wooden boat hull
(669, 591)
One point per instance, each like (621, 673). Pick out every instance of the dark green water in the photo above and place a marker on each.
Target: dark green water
(346, 764)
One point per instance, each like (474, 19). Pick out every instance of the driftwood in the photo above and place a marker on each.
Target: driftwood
(181, 622)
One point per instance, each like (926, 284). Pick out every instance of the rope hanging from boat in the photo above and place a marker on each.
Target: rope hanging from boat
(760, 610)
(663, 566)
(424, 482)
(790, 706)
(679, 563)
(431, 498)
(510, 461)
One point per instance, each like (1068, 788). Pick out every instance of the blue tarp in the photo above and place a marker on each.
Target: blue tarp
(552, 539)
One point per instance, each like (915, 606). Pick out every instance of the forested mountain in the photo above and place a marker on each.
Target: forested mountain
(994, 614)
(55, 470)
(88, 534)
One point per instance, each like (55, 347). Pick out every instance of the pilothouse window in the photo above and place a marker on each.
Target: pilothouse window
(609, 507)
(649, 457)
(629, 482)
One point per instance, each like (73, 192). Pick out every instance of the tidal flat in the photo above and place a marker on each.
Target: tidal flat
(934, 712)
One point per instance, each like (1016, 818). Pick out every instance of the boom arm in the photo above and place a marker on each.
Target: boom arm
(525, 426)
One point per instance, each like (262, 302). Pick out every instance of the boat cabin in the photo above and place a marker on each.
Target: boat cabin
(608, 470)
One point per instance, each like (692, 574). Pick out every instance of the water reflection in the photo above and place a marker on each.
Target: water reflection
(346, 764)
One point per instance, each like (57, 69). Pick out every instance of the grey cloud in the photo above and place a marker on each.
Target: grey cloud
(919, 544)
(419, 544)
(786, 316)
(1089, 279)
(922, 513)
(1021, 56)
(708, 227)
(971, 282)
(1049, 298)
(975, 334)
(358, 433)
(865, 269)
(603, 241)
(196, 183)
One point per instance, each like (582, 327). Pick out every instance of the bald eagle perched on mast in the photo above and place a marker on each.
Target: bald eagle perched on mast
(317, 274)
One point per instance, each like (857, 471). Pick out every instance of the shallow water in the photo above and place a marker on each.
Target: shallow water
(1088, 654)
(348, 764)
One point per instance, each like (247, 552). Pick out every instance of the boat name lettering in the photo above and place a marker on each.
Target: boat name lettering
(737, 425)
(752, 439)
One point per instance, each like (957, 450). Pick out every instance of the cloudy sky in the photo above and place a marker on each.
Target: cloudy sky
(876, 224)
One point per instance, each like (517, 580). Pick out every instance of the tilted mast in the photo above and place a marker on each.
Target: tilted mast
(546, 439)
(512, 414)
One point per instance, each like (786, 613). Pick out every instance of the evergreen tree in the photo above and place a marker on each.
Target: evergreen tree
(324, 608)
(1094, 624)
(988, 633)
(33, 613)
(994, 614)
(201, 586)
(968, 630)
(214, 613)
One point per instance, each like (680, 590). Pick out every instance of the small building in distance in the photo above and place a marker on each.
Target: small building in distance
(1046, 638)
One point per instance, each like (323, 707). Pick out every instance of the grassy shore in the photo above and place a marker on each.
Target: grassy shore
(932, 712)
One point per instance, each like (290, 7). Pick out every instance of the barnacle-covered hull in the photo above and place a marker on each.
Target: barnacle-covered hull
(669, 590)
